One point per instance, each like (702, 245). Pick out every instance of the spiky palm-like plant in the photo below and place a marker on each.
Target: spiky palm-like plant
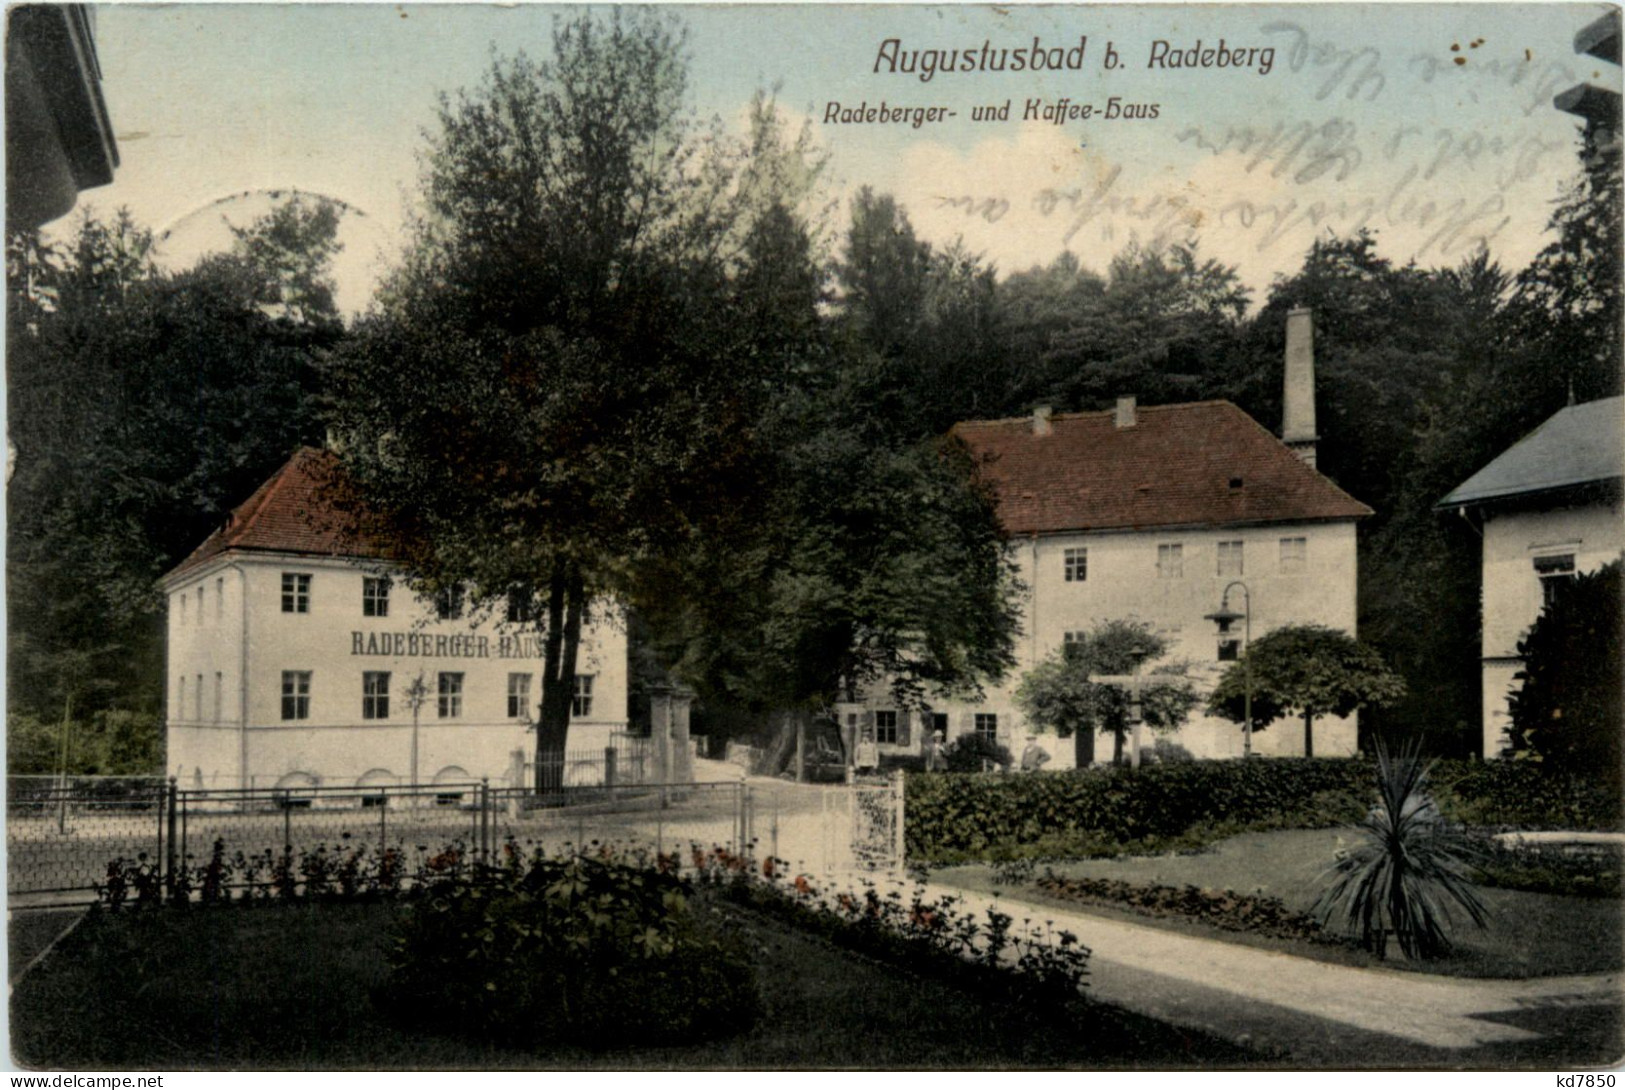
(1407, 870)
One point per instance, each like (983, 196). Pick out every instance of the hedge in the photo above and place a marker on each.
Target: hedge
(1098, 811)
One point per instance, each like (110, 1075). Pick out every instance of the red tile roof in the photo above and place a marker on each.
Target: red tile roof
(287, 514)
(1174, 467)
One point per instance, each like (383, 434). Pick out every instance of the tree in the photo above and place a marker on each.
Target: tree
(144, 404)
(553, 398)
(1159, 329)
(1568, 298)
(930, 318)
(1061, 695)
(1307, 670)
(1567, 711)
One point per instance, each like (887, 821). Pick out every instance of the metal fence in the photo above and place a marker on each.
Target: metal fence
(62, 838)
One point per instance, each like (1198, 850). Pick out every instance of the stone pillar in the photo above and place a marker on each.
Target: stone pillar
(682, 746)
(660, 729)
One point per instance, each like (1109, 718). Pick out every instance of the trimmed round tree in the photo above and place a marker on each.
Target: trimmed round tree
(1309, 670)
(1062, 695)
(1567, 711)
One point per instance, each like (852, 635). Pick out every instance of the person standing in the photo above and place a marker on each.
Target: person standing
(1035, 756)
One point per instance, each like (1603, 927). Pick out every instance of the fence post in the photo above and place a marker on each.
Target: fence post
(899, 798)
(172, 798)
(383, 826)
(609, 766)
(485, 819)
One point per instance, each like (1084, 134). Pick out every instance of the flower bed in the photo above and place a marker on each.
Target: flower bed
(1224, 909)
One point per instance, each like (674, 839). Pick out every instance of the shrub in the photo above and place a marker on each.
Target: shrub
(1225, 909)
(973, 752)
(574, 949)
(1183, 805)
(1576, 871)
(1406, 872)
(1567, 711)
(1042, 969)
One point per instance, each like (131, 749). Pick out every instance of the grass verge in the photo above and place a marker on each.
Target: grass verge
(288, 986)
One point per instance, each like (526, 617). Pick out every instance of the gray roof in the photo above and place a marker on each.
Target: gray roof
(1579, 444)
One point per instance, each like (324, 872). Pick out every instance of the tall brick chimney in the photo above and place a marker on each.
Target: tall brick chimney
(1298, 400)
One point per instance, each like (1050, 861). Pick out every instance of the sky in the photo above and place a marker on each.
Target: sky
(1431, 124)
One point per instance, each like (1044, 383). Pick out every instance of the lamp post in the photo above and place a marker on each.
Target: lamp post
(1224, 618)
(417, 695)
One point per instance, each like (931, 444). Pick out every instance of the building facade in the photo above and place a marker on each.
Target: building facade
(296, 656)
(1548, 509)
(1148, 514)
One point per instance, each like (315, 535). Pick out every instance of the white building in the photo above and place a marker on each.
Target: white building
(291, 658)
(1148, 513)
(1548, 508)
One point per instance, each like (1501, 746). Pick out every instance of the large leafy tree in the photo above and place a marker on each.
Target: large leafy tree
(1567, 711)
(1061, 693)
(928, 316)
(1159, 329)
(1307, 670)
(143, 404)
(1568, 298)
(875, 556)
(552, 398)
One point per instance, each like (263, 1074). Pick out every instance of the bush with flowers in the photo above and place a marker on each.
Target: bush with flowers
(935, 937)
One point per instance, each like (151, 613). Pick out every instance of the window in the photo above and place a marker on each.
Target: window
(581, 703)
(518, 696)
(184, 597)
(1555, 573)
(375, 694)
(1230, 558)
(987, 726)
(296, 694)
(219, 697)
(521, 608)
(1077, 565)
(1170, 562)
(219, 599)
(886, 728)
(1229, 649)
(197, 700)
(1072, 643)
(180, 697)
(939, 723)
(448, 604)
(200, 603)
(374, 597)
(451, 696)
(295, 592)
(1294, 555)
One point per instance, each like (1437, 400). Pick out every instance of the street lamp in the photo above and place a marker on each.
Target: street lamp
(1224, 618)
(1136, 704)
(417, 695)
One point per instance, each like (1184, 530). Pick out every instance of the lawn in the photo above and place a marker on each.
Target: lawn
(1529, 934)
(287, 987)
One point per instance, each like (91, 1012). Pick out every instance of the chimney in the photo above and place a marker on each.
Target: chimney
(1041, 425)
(1298, 400)
(1125, 412)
